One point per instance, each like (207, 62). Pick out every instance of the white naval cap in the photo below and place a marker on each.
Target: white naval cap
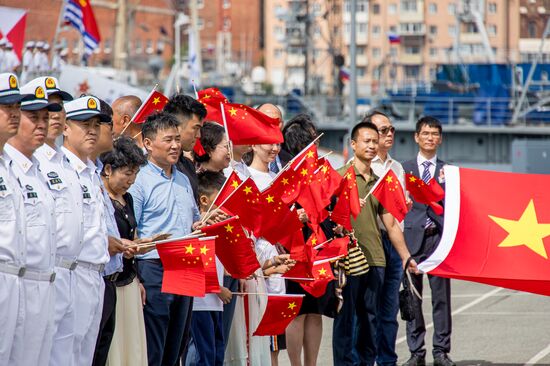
(39, 44)
(9, 89)
(84, 108)
(38, 99)
(30, 44)
(51, 85)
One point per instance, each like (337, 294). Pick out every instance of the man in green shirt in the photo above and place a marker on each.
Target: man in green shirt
(354, 329)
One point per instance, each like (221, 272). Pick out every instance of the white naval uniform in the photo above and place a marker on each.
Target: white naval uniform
(12, 256)
(67, 193)
(28, 66)
(91, 261)
(32, 341)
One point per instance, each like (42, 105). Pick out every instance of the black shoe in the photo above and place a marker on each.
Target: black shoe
(415, 360)
(443, 360)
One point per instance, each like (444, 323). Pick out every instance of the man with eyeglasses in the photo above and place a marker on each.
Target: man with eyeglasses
(423, 230)
(386, 332)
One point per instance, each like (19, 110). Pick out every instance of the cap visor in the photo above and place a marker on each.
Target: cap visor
(64, 95)
(12, 99)
(51, 107)
(87, 116)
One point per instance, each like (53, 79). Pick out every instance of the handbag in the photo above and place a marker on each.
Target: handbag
(406, 296)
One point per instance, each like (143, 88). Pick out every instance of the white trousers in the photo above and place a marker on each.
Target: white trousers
(33, 335)
(64, 320)
(10, 305)
(89, 293)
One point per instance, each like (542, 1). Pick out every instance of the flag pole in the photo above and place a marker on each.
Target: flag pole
(267, 294)
(227, 132)
(139, 110)
(205, 218)
(215, 198)
(58, 27)
(323, 243)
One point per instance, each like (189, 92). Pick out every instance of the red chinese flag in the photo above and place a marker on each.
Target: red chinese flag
(496, 230)
(427, 194)
(348, 200)
(280, 311)
(184, 272)
(390, 194)
(155, 102)
(207, 248)
(295, 245)
(308, 155)
(287, 185)
(230, 185)
(245, 202)
(301, 270)
(211, 99)
(330, 179)
(277, 220)
(248, 126)
(198, 148)
(233, 248)
(337, 247)
(323, 275)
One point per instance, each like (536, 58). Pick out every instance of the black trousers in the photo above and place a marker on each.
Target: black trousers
(107, 325)
(441, 312)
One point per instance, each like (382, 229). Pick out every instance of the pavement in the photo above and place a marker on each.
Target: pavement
(491, 326)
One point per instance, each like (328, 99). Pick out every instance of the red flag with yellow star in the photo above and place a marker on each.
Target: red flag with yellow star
(279, 312)
(348, 200)
(277, 219)
(233, 248)
(230, 185)
(427, 194)
(207, 250)
(245, 202)
(496, 230)
(322, 273)
(183, 267)
(155, 102)
(390, 194)
(211, 99)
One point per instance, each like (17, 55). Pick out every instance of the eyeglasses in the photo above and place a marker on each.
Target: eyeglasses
(385, 130)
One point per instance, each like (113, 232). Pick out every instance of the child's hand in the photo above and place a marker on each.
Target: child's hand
(225, 295)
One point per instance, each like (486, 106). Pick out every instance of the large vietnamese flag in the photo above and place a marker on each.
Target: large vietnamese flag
(497, 227)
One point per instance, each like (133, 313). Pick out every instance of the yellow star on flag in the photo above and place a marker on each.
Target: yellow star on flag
(348, 176)
(304, 172)
(322, 271)
(324, 169)
(206, 96)
(233, 112)
(389, 179)
(313, 241)
(189, 249)
(156, 100)
(247, 190)
(291, 305)
(412, 179)
(204, 249)
(310, 154)
(229, 228)
(269, 198)
(234, 184)
(284, 181)
(525, 231)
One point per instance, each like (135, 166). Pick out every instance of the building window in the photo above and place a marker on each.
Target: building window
(532, 29)
(362, 6)
(408, 5)
(412, 71)
(376, 8)
(226, 23)
(226, 4)
(376, 52)
(432, 8)
(107, 44)
(393, 51)
(160, 45)
(392, 9)
(362, 27)
(200, 23)
(376, 31)
(393, 29)
(433, 30)
(138, 46)
(360, 50)
(433, 52)
(412, 50)
(452, 9)
(361, 71)
(471, 28)
(492, 30)
(492, 7)
(278, 53)
(452, 30)
(149, 47)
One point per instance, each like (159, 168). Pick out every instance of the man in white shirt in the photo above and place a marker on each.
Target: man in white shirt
(80, 139)
(32, 341)
(65, 187)
(389, 301)
(12, 220)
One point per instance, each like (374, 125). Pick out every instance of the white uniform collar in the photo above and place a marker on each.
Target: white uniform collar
(18, 158)
(49, 152)
(75, 161)
(421, 159)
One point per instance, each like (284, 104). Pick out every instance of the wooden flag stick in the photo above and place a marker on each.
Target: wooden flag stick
(267, 294)
(136, 135)
(323, 243)
(324, 156)
(194, 234)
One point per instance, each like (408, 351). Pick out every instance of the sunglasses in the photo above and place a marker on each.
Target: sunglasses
(385, 130)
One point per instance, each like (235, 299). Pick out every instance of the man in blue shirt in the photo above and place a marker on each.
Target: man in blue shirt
(163, 203)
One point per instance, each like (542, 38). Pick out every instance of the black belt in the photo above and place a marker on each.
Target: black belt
(431, 231)
(112, 277)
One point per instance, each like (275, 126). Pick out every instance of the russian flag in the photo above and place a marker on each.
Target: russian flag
(394, 38)
(343, 74)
